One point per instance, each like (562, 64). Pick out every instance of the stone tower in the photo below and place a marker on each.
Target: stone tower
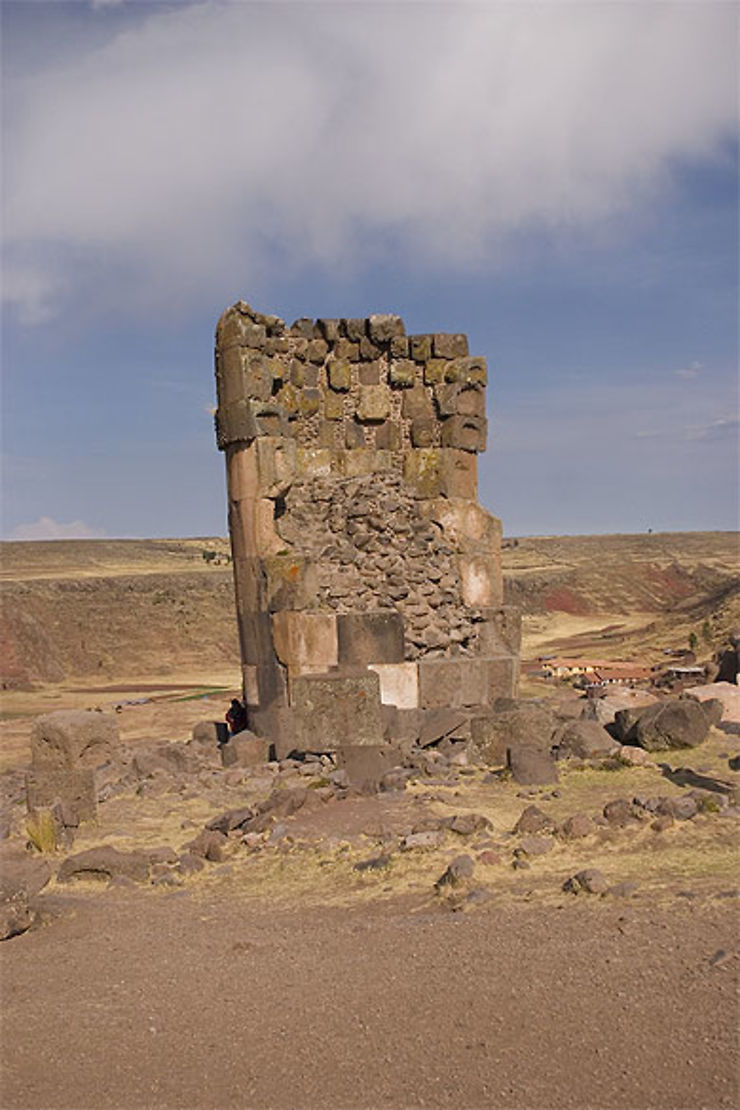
(368, 577)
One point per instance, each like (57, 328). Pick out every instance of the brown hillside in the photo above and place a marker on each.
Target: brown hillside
(122, 610)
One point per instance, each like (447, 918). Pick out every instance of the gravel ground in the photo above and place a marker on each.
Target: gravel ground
(185, 1000)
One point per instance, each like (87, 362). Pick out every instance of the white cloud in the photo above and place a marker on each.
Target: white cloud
(690, 372)
(208, 139)
(47, 529)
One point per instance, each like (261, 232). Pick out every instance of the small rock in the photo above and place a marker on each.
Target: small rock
(577, 826)
(465, 824)
(536, 845)
(189, 864)
(660, 824)
(619, 813)
(375, 863)
(422, 840)
(533, 820)
(459, 871)
(633, 757)
(489, 858)
(622, 890)
(589, 880)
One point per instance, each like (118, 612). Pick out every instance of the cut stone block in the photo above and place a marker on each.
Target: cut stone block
(468, 433)
(74, 738)
(374, 403)
(73, 789)
(333, 711)
(420, 347)
(500, 631)
(250, 685)
(291, 582)
(454, 683)
(339, 374)
(314, 462)
(306, 638)
(382, 328)
(370, 638)
(399, 684)
(242, 469)
(450, 346)
(481, 581)
(365, 765)
(402, 373)
(245, 750)
(255, 636)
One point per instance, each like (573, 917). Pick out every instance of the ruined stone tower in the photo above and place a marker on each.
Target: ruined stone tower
(368, 577)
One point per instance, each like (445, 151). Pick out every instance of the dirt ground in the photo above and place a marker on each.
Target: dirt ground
(282, 977)
(193, 1000)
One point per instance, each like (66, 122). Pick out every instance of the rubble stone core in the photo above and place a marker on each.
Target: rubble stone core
(368, 578)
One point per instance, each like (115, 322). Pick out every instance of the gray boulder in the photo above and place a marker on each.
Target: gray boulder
(583, 739)
(512, 723)
(531, 766)
(678, 723)
(245, 750)
(105, 862)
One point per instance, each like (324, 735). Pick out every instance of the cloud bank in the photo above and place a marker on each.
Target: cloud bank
(219, 140)
(47, 529)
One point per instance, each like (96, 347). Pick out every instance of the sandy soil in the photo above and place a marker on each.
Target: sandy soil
(189, 1001)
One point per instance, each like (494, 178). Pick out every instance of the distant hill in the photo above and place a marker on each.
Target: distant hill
(111, 610)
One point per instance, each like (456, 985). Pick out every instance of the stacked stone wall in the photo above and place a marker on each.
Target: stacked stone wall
(360, 551)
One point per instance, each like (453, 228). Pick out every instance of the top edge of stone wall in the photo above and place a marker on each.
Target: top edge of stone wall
(254, 329)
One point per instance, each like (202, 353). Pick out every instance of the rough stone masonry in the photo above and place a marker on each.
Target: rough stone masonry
(368, 577)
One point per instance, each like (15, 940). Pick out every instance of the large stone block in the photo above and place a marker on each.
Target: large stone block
(370, 638)
(366, 765)
(500, 631)
(255, 637)
(74, 738)
(245, 750)
(466, 524)
(454, 683)
(236, 422)
(450, 346)
(399, 683)
(374, 403)
(291, 582)
(383, 328)
(481, 581)
(74, 790)
(467, 433)
(276, 465)
(331, 711)
(306, 638)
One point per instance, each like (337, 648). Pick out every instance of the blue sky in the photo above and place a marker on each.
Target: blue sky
(558, 180)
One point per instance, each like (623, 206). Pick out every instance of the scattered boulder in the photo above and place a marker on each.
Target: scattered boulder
(190, 863)
(678, 723)
(535, 846)
(366, 764)
(105, 862)
(231, 819)
(660, 824)
(72, 738)
(22, 875)
(728, 693)
(209, 734)
(374, 863)
(172, 759)
(533, 820)
(682, 808)
(577, 826)
(583, 739)
(531, 766)
(589, 881)
(632, 756)
(16, 916)
(512, 724)
(465, 824)
(422, 840)
(208, 844)
(245, 750)
(457, 874)
(605, 709)
(619, 813)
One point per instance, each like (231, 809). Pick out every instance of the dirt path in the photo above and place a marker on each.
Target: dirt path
(182, 1000)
